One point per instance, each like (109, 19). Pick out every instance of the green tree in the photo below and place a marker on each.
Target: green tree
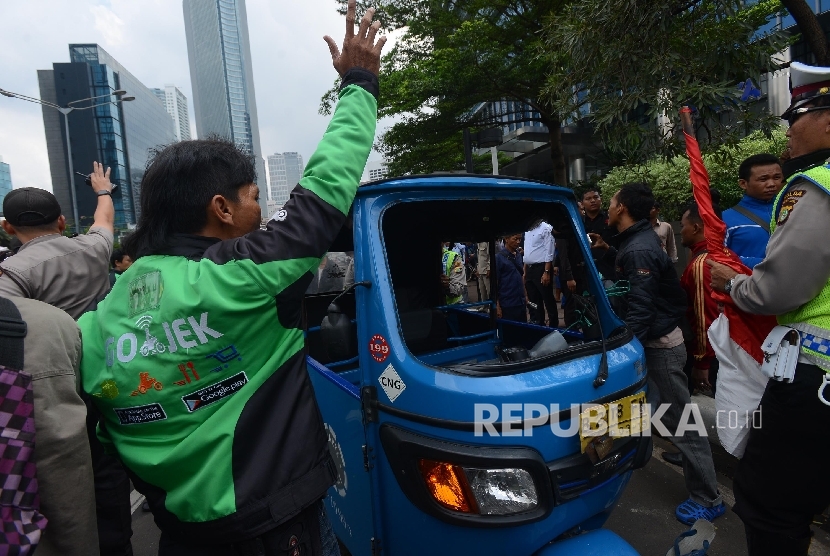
(453, 56)
(634, 61)
(669, 178)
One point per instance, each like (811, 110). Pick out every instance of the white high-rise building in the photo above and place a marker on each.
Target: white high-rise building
(277, 183)
(376, 169)
(285, 171)
(176, 104)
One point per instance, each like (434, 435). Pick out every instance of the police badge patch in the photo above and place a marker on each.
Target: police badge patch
(788, 205)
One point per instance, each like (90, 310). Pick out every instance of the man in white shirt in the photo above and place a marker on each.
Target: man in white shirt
(538, 266)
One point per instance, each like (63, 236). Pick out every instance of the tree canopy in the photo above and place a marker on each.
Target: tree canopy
(453, 56)
(632, 61)
(617, 65)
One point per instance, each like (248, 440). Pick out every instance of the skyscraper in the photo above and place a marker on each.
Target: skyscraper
(219, 51)
(285, 171)
(5, 182)
(277, 184)
(120, 136)
(376, 169)
(176, 104)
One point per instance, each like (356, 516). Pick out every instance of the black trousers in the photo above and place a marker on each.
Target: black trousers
(570, 307)
(298, 537)
(112, 494)
(782, 481)
(518, 313)
(541, 295)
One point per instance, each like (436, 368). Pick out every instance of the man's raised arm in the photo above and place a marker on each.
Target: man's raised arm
(301, 232)
(105, 211)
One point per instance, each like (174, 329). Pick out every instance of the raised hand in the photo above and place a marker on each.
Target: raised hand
(359, 50)
(100, 179)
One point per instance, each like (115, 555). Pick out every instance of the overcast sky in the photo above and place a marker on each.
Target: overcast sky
(292, 65)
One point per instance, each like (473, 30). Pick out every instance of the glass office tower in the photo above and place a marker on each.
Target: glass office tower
(222, 76)
(121, 136)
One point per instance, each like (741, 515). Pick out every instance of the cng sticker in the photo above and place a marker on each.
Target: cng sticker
(379, 348)
(391, 383)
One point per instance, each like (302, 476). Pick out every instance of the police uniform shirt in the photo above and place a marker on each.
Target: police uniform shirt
(801, 227)
(458, 277)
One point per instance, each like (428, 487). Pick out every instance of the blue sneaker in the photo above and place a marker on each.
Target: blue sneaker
(690, 511)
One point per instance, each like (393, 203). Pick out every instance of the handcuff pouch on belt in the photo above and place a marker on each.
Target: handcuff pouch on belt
(781, 351)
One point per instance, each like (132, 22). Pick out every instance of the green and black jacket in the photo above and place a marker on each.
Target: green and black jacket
(196, 357)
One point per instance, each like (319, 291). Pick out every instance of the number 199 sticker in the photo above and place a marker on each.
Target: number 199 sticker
(378, 348)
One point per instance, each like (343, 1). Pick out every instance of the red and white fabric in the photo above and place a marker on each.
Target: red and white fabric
(735, 336)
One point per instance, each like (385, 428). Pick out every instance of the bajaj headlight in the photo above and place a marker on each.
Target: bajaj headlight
(480, 491)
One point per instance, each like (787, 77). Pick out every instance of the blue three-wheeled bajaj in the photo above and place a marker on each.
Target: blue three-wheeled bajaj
(454, 431)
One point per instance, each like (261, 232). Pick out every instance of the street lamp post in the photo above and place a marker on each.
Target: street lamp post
(66, 110)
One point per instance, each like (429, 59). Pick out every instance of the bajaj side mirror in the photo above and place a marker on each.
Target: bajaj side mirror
(339, 334)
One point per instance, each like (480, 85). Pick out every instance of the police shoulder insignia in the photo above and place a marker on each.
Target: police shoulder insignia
(788, 205)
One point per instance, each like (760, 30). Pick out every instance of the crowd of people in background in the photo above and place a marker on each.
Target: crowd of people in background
(669, 314)
(543, 271)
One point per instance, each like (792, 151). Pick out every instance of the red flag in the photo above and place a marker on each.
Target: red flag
(747, 331)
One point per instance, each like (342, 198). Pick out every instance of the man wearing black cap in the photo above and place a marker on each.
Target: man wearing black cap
(69, 273)
(782, 481)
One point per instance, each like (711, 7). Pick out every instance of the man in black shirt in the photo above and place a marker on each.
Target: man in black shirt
(572, 268)
(596, 222)
(656, 303)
